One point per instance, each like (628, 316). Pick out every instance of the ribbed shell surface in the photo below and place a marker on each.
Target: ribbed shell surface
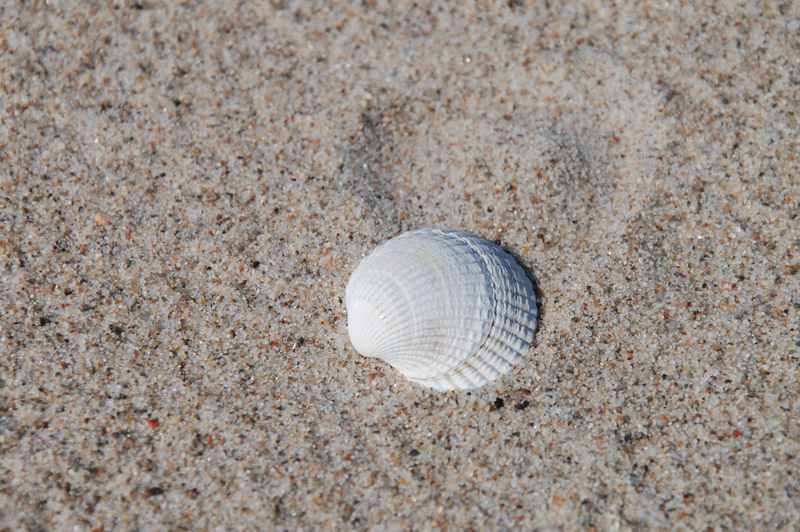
(446, 308)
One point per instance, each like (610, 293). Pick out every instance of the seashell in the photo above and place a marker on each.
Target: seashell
(446, 308)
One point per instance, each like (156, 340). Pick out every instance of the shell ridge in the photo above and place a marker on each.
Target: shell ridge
(420, 346)
(393, 324)
(495, 327)
(414, 255)
(515, 335)
(499, 356)
(458, 370)
(485, 364)
(397, 322)
(467, 240)
(447, 236)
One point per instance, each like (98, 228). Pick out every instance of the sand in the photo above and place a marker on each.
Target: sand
(185, 188)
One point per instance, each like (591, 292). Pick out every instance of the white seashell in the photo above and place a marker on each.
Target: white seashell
(446, 308)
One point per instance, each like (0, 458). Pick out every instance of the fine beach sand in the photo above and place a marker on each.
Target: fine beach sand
(186, 186)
